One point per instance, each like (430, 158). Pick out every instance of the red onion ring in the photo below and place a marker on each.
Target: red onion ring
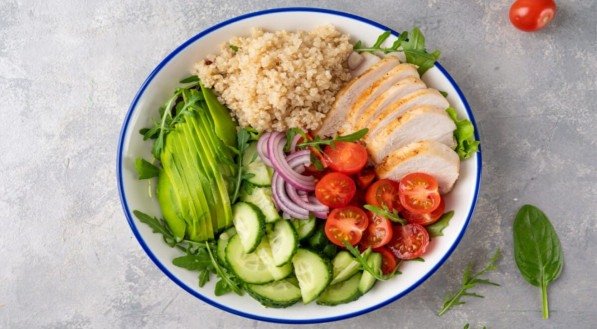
(262, 149)
(294, 142)
(282, 200)
(275, 150)
(303, 201)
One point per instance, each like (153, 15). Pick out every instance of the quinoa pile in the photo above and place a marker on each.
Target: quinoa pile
(279, 80)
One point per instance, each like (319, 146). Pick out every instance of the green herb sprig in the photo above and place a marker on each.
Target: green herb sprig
(361, 258)
(469, 281)
(411, 43)
(243, 137)
(537, 250)
(385, 212)
(437, 228)
(317, 141)
(198, 256)
(146, 169)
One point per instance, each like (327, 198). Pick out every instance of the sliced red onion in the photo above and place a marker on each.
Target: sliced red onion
(303, 201)
(294, 142)
(275, 150)
(262, 149)
(282, 200)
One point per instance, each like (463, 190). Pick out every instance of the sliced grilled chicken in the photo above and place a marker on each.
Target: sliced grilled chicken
(369, 95)
(393, 94)
(427, 96)
(431, 157)
(423, 122)
(350, 92)
(368, 60)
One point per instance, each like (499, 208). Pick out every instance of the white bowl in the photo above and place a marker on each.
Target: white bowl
(177, 65)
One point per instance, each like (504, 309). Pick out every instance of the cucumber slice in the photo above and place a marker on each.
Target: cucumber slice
(264, 252)
(344, 267)
(249, 223)
(249, 268)
(252, 164)
(313, 272)
(303, 227)
(343, 292)
(367, 280)
(283, 241)
(223, 242)
(262, 198)
(277, 294)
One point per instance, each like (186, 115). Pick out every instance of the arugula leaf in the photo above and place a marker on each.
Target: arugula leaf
(145, 169)
(419, 259)
(470, 280)
(229, 280)
(233, 47)
(203, 277)
(189, 79)
(411, 43)
(290, 134)
(361, 258)
(317, 141)
(537, 250)
(193, 262)
(385, 212)
(437, 228)
(157, 226)
(445, 94)
(242, 140)
(464, 134)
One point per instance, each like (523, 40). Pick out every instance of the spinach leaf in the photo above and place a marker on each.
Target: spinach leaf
(437, 228)
(537, 250)
(146, 169)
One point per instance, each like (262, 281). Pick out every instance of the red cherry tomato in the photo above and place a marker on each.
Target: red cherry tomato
(419, 193)
(388, 260)
(365, 178)
(378, 233)
(409, 241)
(335, 190)
(532, 15)
(384, 193)
(346, 157)
(425, 219)
(346, 224)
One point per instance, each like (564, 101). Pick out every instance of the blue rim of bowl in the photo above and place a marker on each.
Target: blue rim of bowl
(119, 170)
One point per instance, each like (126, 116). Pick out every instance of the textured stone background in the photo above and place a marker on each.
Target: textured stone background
(68, 70)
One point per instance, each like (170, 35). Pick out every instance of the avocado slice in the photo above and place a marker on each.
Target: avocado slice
(225, 128)
(170, 205)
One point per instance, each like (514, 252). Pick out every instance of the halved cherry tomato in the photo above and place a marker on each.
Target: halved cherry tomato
(346, 157)
(419, 193)
(346, 224)
(532, 15)
(425, 219)
(378, 233)
(388, 260)
(384, 193)
(365, 178)
(409, 241)
(335, 190)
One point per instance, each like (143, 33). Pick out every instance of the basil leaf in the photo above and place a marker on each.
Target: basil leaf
(537, 250)
(437, 228)
(145, 169)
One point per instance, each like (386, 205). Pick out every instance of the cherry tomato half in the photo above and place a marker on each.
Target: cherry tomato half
(346, 157)
(419, 193)
(384, 193)
(346, 224)
(378, 233)
(532, 15)
(388, 260)
(425, 219)
(409, 241)
(335, 190)
(365, 178)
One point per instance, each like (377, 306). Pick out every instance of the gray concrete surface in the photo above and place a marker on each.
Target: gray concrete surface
(68, 70)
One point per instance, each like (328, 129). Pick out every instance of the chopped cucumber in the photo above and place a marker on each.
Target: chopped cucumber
(249, 268)
(283, 241)
(252, 164)
(265, 253)
(249, 223)
(345, 266)
(313, 272)
(277, 294)
(343, 292)
(367, 280)
(304, 227)
(262, 198)
(223, 242)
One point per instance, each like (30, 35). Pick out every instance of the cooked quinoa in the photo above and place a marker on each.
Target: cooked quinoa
(279, 80)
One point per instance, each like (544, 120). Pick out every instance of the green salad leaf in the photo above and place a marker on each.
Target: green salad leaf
(466, 145)
(537, 250)
(412, 43)
(146, 169)
(385, 212)
(437, 228)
